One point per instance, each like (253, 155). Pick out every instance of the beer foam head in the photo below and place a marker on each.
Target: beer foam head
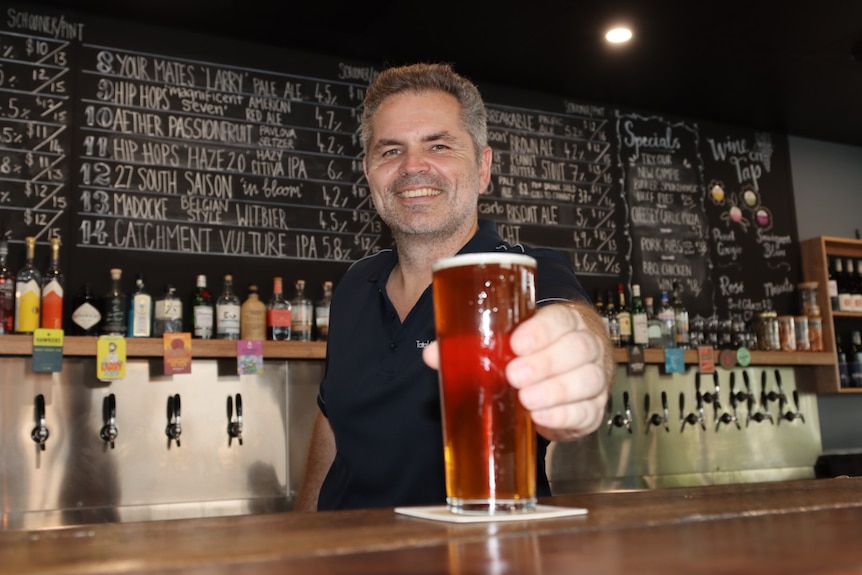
(502, 259)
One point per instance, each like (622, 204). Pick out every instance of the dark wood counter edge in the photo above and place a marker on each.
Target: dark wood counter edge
(152, 347)
(174, 545)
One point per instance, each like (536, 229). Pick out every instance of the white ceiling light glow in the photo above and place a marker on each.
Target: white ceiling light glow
(618, 35)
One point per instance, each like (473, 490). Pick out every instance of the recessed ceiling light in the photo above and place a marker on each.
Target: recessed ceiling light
(618, 35)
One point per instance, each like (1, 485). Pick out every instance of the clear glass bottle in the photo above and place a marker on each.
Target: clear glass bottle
(114, 307)
(612, 321)
(668, 321)
(203, 315)
(654, 330)
(680, 317)
(7, 292)
(278, 313)
(227, 311)
(301, 314)
(640, 327)
(86, 315)
(52, 290)
(28, 292)
(252, 325)
(321, 312)
(624, 317)
(168, 313)
(140, 310)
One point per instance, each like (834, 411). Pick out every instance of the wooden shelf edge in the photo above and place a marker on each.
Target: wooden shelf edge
(152, 347)
(803, 358)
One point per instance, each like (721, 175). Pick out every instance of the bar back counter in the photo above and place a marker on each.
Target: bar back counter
(697, 435)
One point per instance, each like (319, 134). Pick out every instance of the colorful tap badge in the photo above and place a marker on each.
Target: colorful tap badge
(249, 357)
(177, 353)
(47, 350)
(674, 360)
(111, 357)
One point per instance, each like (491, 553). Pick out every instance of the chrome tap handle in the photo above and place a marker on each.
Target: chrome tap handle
(656, 419)
(620, 419)
(234, 428)
(691, 418)
(40, 433)
(790, 415)
(174, 428)
(109, 431)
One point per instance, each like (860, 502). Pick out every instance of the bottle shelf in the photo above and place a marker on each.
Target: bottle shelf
(801, 358)
(153, 347)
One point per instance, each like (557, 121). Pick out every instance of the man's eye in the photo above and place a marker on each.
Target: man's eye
(438, 147)
(389, 153)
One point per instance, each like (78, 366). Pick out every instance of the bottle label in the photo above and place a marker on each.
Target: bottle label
(278, 317)
(640, 332)
(141, 325)
(625, 325)
(86, 316)
(227, 317)
(27, 308)
(52, 305)
(203, 318)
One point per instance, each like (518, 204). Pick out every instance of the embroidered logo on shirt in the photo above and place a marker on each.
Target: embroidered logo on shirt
(422, 344)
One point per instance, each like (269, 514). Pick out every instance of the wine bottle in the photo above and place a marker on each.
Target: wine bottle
(612, 321)
(140, 322)
(680, 317)
(640, 328)
(301, 314)
(227, 311)
(832, 285)
(654, 337)
(52, 290)
(624, 317)
(168, 313)
(668, 321)
(321, 312)
(28, 292)
(252, 325)
(278, 313)
(114, 306)
(7, 292)
(202, 309)
(86, 315)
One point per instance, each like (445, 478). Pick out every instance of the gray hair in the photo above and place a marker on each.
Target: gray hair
(418, 78)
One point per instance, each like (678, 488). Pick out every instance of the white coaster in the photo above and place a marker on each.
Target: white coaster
(442, 513)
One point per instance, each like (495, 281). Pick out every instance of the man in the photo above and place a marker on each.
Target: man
(378, 439)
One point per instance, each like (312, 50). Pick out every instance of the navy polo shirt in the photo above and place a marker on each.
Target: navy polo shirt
(382, 401)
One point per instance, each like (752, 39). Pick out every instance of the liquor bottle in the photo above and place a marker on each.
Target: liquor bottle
(301, 314)
(624, 317)
(613, 321)
(7, 292)
(843, 369)
(52, 290)
(114, 306)
(278, 313)
(600, 309)
(680, 317)
(140, 322)
(640, 325)
(252, 323)
(854, 360)
(668, 321)
(845, 287)
(203, 315)
(168, 313)
(227, 311)
(654, 338)
(857, 287)
(832, 284)
(86, 315)
(844, 297)
(321, 312)
(28, 292)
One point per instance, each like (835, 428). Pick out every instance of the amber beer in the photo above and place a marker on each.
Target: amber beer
(489, 441)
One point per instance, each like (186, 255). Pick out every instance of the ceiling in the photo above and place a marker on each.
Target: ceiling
(785, 66)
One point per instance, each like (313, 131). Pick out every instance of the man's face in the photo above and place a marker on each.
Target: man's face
(421, 165)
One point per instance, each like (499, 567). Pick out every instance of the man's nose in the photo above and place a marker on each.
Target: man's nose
(414, 162)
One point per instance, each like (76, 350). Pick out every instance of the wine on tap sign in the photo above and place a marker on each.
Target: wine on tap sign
(172, 154)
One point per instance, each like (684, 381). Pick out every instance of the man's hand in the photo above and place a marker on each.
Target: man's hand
(563, 369)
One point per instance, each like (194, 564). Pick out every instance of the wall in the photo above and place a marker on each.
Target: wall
(826, 181)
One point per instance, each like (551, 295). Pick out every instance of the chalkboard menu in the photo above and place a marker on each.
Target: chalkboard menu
(173, 154)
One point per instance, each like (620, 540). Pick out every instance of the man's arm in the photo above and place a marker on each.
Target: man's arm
(321, 454)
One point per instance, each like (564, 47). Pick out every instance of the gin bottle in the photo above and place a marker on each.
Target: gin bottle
(114, 307)
(301, 314)
(52, 290)
(28, 292)
(228, 311)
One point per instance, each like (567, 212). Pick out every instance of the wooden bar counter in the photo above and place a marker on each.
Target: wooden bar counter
(809, 526)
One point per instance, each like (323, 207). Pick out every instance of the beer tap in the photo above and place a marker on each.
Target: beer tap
(655, 418)
(758, 416)
(174, 428)
(772, 395)
(738, 396)
(788, 415)
(40, 432)
(620, 419)
(234, 428)
(692, 418)
(109, 431)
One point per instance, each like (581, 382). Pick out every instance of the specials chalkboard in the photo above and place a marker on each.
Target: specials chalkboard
(172, 155)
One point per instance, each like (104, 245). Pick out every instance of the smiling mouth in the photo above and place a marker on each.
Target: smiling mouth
(419, 193)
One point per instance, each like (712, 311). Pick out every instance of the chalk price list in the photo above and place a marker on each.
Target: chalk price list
(34, 136)
(191, 157)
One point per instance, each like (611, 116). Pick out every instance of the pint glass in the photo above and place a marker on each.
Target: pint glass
(489, 441)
